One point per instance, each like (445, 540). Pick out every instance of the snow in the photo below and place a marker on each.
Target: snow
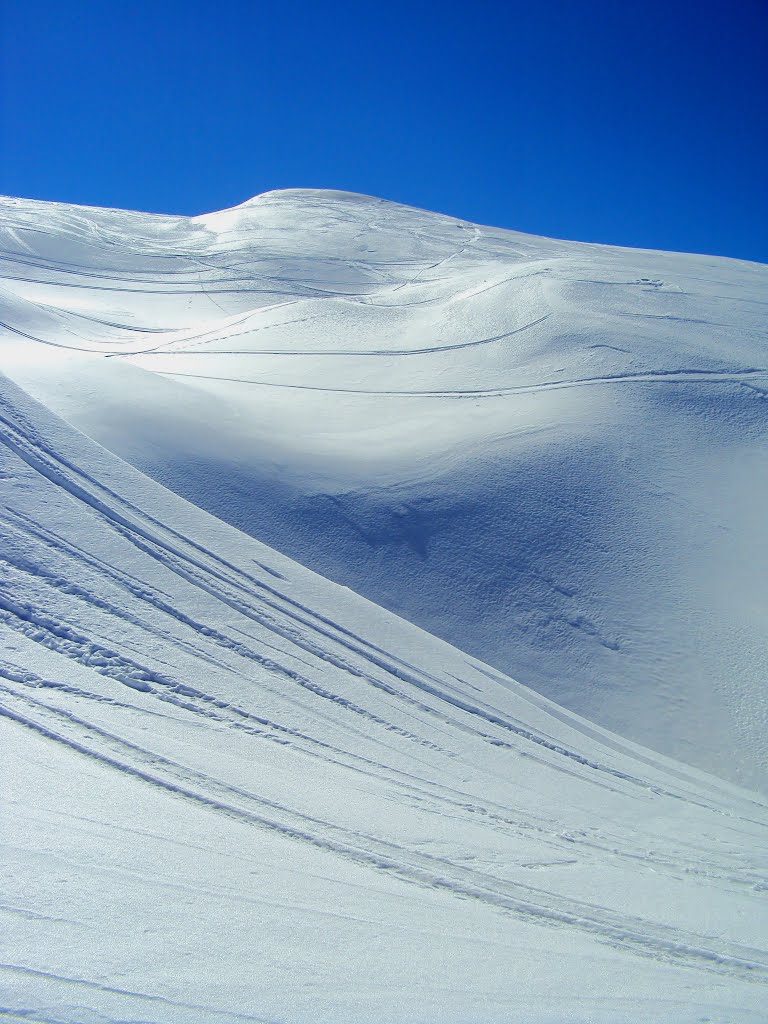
(570, 437)
(236, 790)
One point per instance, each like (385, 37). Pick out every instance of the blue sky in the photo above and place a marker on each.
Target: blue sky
(637, 124)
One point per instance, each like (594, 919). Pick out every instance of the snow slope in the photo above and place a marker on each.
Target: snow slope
(551, 454)
(235, 791)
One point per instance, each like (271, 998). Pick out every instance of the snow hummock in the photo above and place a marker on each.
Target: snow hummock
(235, 789)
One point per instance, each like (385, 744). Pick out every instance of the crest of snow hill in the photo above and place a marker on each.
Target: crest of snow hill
(552, 456)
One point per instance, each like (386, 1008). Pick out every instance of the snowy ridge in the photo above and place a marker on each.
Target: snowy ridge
(239, 791)
(553, 455)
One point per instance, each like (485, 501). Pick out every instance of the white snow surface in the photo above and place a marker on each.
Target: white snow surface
(552, 455)
(235, 790)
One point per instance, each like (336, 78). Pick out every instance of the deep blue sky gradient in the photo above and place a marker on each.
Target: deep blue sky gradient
(633, 123)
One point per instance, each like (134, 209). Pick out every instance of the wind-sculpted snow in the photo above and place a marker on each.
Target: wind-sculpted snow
(233, 790)
(553, 455)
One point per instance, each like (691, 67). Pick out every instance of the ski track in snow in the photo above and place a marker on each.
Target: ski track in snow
(667, 376)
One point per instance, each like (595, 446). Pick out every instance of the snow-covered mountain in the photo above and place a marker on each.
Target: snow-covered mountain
(236, 790)
(552, 455)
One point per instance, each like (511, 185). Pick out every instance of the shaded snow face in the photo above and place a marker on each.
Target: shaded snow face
(552, 455)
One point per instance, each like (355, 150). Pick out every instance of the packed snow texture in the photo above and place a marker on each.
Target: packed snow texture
(235, 790)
